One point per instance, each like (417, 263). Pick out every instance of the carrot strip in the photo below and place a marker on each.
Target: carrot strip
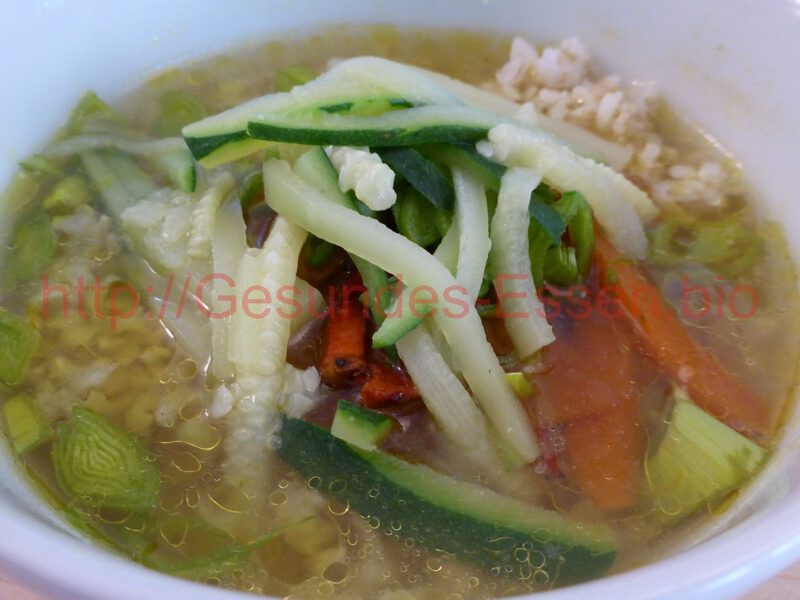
(344, 344)
(387, 385)
(664, 337)
(603, 454)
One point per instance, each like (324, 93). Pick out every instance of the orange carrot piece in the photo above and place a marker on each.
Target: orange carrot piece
(603, 455)
(664, 337)
(590, 374)
(344, 344)
(387, 385)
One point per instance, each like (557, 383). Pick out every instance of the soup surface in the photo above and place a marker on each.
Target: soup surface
(237, 372)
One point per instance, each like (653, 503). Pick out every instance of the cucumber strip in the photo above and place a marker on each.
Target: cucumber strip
(409, 127)
(301, 203)
(451, 405)
(474, 244)
(421, 173)
(27, 428)
(170, 156)
(617, 204)
(359, 426)
(524, 315)
(579, 140)
(441, 513)
(316, 168)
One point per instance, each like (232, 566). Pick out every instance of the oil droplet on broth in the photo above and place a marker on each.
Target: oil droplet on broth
(338, 508)
(278, 497)
(325, 588)
(434, 564)
(336, 572)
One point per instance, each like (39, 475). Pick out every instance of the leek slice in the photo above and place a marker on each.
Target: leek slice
(524, 314)
(100, 465)
(27, 427)
(699, 462)
(301, 203)
(18, 342)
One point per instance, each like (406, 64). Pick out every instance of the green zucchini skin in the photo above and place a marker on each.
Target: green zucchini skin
(204, 146)
(362, 478)
(312, 135)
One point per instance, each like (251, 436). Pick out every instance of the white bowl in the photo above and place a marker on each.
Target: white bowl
(730, 65)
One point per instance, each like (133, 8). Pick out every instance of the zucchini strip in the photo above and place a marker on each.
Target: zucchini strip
(617, 204)
(412, 126)
(472, 216)
(524, 314)
(299, 202)
(444, 395)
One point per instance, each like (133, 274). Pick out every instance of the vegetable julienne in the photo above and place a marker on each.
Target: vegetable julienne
(380, 301)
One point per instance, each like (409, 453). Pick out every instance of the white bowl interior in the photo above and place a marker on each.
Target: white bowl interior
(726, 64)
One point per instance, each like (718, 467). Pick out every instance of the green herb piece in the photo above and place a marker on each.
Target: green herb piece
(27, 427)
(520, 384)
(100, 465)
(581, 230)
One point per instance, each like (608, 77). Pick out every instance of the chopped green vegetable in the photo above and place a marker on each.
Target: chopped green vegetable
(581, 229)
(27, 427)
(726, 245)
(359, 426)
(699, 462)
(67, 194)
(418, 220)
(89, 107)
(549, 219)
(317, 252)
(560, 265)
(287, 78)
(42, 164)
(32, 248)
(18, 341)
(178, 109)
(100, 465)
(520, 383)
(464, 156)
(423, 175)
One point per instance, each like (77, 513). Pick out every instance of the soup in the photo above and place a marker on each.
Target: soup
(384, 333)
